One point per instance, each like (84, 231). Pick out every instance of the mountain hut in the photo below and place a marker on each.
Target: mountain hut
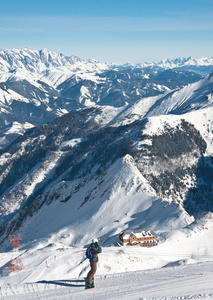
(143, 238)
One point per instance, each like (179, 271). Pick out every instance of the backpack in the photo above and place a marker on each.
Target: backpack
(89, 254)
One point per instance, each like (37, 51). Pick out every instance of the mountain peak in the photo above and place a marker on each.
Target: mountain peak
(128, 159)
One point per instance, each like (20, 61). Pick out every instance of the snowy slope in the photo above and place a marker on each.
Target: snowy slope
(193, 97)
(121, 187)
(53, 268)
(57, 271)
(182, 282)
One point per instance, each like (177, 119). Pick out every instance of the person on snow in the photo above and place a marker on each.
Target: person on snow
(95, 249)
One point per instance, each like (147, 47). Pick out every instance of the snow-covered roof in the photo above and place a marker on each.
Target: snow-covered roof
(138, 233)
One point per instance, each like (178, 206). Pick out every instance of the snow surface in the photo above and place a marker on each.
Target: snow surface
(19, 128)
(57, 272)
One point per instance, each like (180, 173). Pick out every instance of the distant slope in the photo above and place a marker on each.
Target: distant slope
(44, 65)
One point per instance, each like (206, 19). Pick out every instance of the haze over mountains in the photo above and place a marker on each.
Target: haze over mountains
(107, 148)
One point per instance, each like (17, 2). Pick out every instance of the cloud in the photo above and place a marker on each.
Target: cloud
(69, 24)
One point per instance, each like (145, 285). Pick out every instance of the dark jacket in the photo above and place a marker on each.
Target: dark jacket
(95, 250)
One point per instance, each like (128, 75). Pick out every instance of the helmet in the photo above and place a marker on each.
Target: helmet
(94, 240)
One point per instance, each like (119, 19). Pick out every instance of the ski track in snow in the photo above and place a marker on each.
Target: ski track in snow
(182, 282)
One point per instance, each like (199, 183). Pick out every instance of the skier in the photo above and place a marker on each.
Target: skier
(94, 248)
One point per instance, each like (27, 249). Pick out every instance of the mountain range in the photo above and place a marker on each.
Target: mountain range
(91, 149)
(86, 135)
(38, 86)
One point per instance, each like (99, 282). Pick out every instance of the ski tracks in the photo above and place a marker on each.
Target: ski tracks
(171, 283)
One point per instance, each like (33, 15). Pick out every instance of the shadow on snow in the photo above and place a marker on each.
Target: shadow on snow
(73, 282)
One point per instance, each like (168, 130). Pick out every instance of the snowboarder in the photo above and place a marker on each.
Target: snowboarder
(92, 254)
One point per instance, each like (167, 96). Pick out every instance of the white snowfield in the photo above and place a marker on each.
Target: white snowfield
(175, 282)
(180, 267)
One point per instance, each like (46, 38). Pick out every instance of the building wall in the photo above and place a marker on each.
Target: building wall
(144, 240)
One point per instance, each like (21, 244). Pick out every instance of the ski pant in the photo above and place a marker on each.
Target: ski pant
(93, 269)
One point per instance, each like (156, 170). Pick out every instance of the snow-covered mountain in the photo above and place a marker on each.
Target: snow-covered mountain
(53, 68)
(38, 86)
(169, 137)
(201, 65)
(44, 65)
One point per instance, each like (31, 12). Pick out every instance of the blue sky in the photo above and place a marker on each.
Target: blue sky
(110, 30)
